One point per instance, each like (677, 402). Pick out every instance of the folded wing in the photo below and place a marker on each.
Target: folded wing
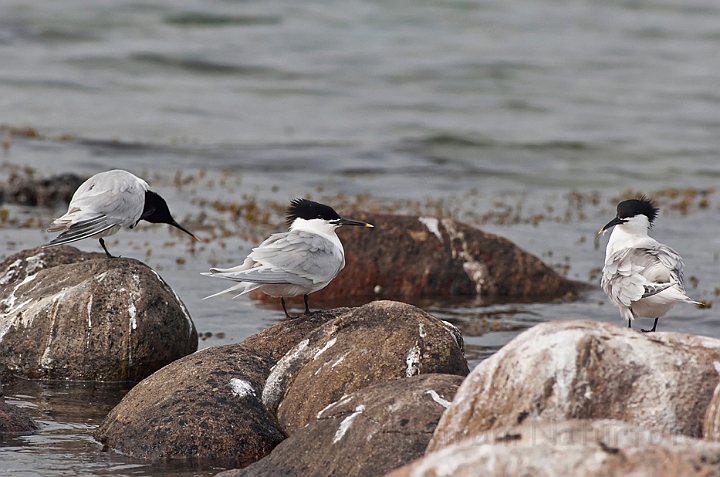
(635, 273)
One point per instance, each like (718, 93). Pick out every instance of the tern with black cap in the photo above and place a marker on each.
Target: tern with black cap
(105, 203)
(298, 262)
(641, 276)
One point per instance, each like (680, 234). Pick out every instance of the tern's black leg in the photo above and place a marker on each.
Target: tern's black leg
(307, 308)
(630, 324)
(102, 242)
(653, 328)
(282, 300)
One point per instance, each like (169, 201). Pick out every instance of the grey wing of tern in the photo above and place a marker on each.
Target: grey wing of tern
(82, 230)
(301, 253)
(635, 273)
(297, 257)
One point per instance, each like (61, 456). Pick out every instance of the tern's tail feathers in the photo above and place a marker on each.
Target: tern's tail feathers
(247, 265)
(245, 287)
(98, 227)
(666, 293)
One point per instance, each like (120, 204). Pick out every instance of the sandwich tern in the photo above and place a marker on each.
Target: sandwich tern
(642, 277)
(105, 203)
(299, 262)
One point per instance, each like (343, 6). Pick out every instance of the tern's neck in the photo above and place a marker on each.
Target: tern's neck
(316, 226)
(629, 234)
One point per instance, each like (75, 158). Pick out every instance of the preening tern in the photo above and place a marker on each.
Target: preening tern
(105, 203)
(299, 262)
(642, 277)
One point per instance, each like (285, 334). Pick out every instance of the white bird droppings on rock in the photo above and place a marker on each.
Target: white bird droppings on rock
(346, 423)
(241, 388)
(324, 348)
(436, 397)
(413, 361)
(132, 311)
(272, 392)
(432, 224)
(475, 270)
(342, 401)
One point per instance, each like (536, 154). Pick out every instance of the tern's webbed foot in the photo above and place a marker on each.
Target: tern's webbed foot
(653, 328)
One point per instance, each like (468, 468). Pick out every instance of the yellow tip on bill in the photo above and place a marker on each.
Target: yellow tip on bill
(370, 225)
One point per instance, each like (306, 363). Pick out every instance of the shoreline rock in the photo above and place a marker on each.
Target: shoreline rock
(587, 370)
(409, 257)
(204, 408)
(563, 448)
(372, 344)
(59, 320)
(368, 432)
(14, 421)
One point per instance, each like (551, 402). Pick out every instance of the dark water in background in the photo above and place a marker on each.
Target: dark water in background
(528, 118)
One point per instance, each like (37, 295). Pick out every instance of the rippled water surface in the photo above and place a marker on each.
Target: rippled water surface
(529, 119)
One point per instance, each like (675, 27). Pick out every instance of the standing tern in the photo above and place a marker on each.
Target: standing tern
(299, 262)
(642, 277)
(105, 203)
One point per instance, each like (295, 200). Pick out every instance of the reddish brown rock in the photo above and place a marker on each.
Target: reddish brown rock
(587, 370)
(407, 257)
(15, 421)
(368, 432)
(66, 314)
(372, 344)
(570, 448)
(204, 409)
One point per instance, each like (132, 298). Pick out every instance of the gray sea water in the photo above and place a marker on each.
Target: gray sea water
(530, 119)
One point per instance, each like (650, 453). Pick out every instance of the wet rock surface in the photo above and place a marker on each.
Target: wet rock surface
(204, 408)
(15, 421)
(372, 344)
(587, 370)
(66, 314)
(368, 432)
(415, 257)
(565, 448)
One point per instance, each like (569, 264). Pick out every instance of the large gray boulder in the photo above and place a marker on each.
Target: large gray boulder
(570, 448)
(66, 314)
(368, 432)
(587, 370)
(372, 344)
(204, 409)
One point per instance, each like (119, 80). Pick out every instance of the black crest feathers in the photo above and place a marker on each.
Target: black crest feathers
(308, 210)
(633, 207)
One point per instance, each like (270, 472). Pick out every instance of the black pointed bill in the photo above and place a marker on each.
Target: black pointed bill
(359, 223)
(612, 223)
(175, 224)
